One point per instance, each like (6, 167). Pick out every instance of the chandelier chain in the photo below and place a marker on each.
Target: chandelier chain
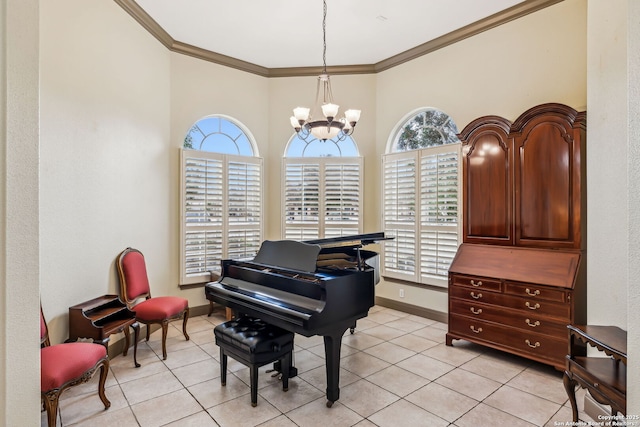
(324, 37)
(330, 127)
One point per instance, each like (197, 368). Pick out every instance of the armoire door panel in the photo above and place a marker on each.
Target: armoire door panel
(548, 177)
(487, 182)
(544, 179)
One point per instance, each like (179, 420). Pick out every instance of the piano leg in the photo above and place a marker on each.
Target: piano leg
(332, 344)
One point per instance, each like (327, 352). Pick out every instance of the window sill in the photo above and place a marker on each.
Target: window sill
(214, 277)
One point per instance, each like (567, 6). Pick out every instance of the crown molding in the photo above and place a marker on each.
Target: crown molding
(497, 19)
(134, 9)
(217, 58)
(315, 71)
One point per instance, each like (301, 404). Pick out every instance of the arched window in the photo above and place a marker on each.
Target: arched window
(423, 129)
(220, 134)
(322, 188)
(221, 197)
(421, 198)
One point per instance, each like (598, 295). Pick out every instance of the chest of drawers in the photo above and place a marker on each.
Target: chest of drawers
(516, 299)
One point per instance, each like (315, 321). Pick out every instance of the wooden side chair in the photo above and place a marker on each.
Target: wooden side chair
(66, 365)
(134, 286)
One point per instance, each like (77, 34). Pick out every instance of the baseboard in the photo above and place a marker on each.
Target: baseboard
(413, 309)
(117, 347)
(594, 409)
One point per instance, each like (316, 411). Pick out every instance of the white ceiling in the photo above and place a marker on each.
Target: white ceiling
(288, 33)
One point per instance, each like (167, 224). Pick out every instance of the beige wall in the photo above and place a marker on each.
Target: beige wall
(608, 221)
(105, 165)
(633, 191)
(19, 212)
(536, 59)
(115, 105)
(613, 163)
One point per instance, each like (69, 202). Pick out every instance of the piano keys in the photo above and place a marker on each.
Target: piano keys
(320, 287)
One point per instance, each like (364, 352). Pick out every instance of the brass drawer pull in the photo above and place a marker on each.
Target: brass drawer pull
(534, 324)
(537, 344)
(479, 283)
(474, 296)
(532, 307)
(477, 331)
(476, 311)
(534, 293)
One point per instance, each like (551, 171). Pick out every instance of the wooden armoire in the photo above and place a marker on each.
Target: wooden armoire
(519, 277)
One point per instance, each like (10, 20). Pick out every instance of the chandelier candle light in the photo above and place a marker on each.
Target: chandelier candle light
(330, 127)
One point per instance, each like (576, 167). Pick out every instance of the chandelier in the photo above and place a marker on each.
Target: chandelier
(329, 127)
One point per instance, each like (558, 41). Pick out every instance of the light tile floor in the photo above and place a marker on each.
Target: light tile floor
(395, 371)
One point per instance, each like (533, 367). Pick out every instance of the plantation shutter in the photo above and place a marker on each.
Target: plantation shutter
(439, 212)
(322, 197)
(399, 215)
(302, 201)
(245, 207)
(221, 211)
(342, 189)
(421, 212)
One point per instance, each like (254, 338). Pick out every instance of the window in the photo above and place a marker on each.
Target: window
(221, 197)
(322, 189)
(421, 198)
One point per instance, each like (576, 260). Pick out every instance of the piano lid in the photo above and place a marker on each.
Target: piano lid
(356, 240)
(304, 256)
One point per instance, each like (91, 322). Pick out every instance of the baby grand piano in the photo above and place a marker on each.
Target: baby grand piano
(317, 287)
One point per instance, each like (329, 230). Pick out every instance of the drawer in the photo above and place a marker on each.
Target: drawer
(528, 290)
(476, 282)
(527, 344)
(596, 375)
(515, 318)
(560, 312)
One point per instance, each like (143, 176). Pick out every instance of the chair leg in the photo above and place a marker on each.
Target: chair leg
(254, 385)
(165, 325)
(104, 370)
(136, 334)
(127, 341)
(184, 323)
(51, 406)
(148, 331)
(223, 367)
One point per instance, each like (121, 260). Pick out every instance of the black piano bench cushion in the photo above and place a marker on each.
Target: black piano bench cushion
(257, 339)
(254, 343)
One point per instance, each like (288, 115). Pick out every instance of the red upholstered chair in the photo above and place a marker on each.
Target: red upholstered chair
(66, 365)
(134, 286)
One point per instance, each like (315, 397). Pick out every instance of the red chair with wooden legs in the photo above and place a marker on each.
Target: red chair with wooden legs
(66, 365)
(134, 286)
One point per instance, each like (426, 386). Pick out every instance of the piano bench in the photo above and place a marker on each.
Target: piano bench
(254, 343)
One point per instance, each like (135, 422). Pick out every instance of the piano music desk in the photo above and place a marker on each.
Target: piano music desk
(101, 317)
